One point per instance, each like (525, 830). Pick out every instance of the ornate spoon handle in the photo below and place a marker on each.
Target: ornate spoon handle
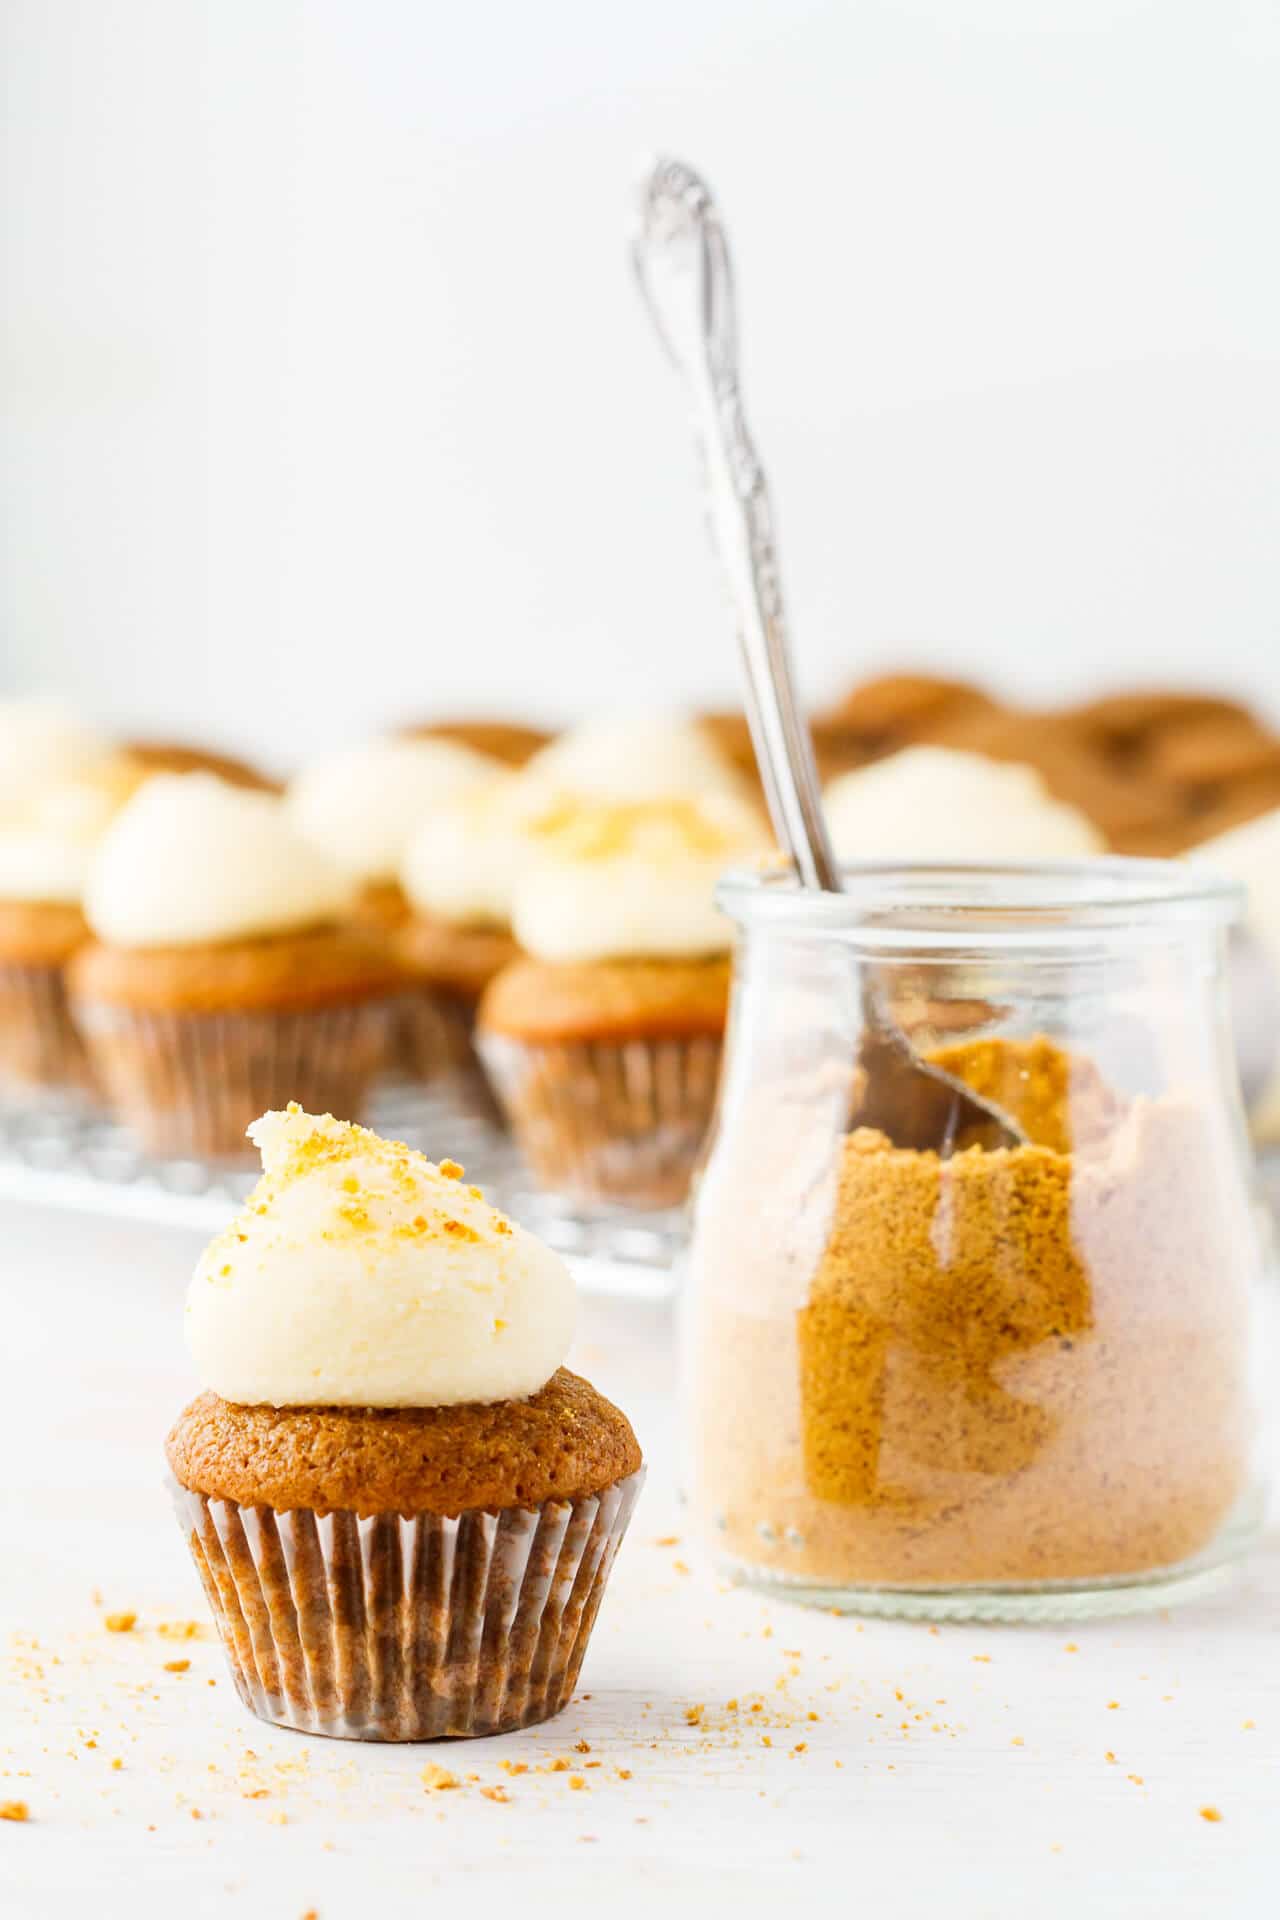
(682, 261)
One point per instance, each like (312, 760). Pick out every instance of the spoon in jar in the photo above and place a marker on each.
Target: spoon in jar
(681, 259)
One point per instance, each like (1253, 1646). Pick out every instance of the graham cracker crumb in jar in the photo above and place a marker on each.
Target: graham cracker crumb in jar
(1019, 1365)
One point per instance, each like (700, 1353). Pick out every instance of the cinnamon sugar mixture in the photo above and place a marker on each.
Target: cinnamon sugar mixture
(1024, 1365)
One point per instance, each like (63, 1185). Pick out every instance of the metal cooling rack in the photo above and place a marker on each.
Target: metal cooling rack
(77, 1158)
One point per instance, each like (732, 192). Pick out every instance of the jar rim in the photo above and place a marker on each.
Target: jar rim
(991, 901)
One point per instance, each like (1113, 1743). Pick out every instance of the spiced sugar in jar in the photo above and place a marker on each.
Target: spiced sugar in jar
(1003, 1382)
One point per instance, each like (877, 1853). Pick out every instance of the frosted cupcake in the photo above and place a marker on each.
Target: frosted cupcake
(45, 856)
(41, 740)
(362, 807)
(604, 1040)
(403, 1509)
(459, 878)
(636, 757)
(937, 803)
(225, 973)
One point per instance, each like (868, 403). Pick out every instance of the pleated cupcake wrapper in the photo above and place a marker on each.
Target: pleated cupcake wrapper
(40, 1046)
(433, 1034)
(434, 1041)
(619, 1123)
(406, 1628)
(190, 1083)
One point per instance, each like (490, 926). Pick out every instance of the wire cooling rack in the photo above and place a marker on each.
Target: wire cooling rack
(74, 1157)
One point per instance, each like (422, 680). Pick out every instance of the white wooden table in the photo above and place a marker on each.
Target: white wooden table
(886, 1769)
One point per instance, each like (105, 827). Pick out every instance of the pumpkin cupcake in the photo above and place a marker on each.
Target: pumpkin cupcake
(402, 1507)
(44, 864)
(224, 972)
(509, 741)
(459, 879)
(603, 1042)
(361, 807)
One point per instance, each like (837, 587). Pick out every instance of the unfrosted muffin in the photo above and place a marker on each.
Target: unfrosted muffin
(361, 807)
(402, 1507)
(224, 973)
(604, 1041)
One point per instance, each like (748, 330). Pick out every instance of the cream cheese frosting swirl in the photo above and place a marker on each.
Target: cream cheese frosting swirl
(192, 860)
(611, 882)
(359, 1274)
(362, 806)
(46, 855)
(43, 867)
(638, 756)
(40, 740)
(936, 803)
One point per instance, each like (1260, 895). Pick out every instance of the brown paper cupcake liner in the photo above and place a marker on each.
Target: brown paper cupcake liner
(190, 1083)
(433, 1034)
(413, 1627)
(40, 1047)
(609, 1122)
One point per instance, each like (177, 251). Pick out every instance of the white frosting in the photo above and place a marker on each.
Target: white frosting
(464, 860)
(608, 882)
(362, 806)
(935, 803)
(82, 804)
(37, 865)
(641, 756)
(360, 1274)
(40, 740)
(1250, 855)
(191, 859)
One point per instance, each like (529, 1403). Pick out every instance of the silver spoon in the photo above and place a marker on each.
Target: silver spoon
(682, 262)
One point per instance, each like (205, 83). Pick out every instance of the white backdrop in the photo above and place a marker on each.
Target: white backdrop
(328, 398)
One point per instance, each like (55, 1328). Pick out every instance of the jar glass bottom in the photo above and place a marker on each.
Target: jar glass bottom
(1049, 1600)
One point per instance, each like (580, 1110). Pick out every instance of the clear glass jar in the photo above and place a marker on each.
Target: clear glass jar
(997, 1383)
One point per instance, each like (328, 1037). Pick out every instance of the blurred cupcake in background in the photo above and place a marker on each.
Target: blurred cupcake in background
(183, 756)
(937, 803)
(505, 740)
(459, 878)
(225, 973)
(41, 740)
(604, 1039)
(45, 854)
(361, 807)
(636, 756)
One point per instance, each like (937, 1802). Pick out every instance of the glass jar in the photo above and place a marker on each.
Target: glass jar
(994, 1382)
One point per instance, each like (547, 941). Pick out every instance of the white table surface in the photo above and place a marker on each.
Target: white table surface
(959, 1771)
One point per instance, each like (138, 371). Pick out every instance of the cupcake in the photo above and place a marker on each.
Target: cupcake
(361, 807)
(636, 756)
(41, 741)
(402, 1507)
(504, 740)
(181, 756)
(603, 1041)
(41, 926)
(936, 803)
(44, 864)
(459, 877)
(224, 972)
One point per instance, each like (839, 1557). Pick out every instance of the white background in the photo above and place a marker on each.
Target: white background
(328, 398)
